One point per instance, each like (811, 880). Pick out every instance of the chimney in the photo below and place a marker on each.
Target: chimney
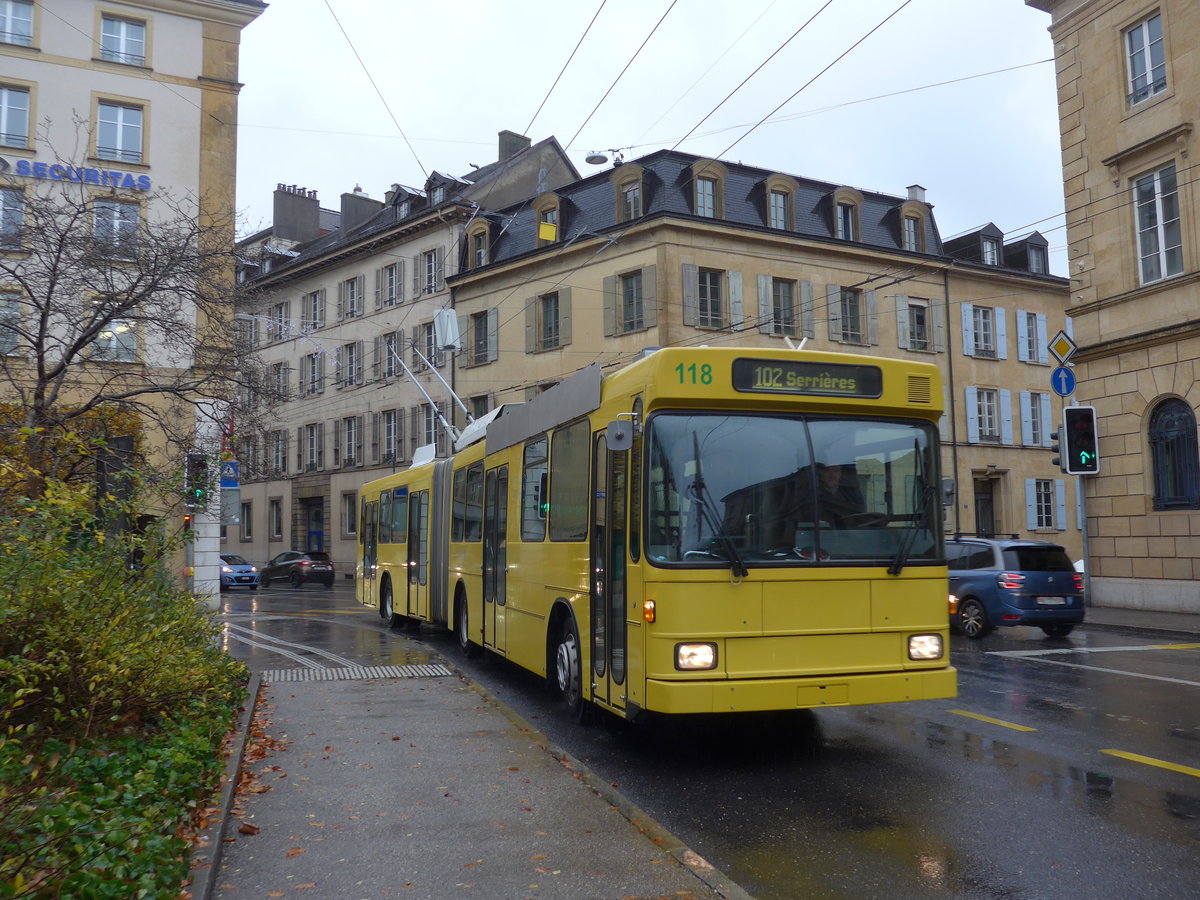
(916, 192)
(357, 208)
(511, 144)
(297, 213)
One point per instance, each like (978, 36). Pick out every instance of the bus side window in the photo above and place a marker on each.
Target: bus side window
(473, 525)
(569, 477)
(534, 481)
(385, 517)
(400, 515)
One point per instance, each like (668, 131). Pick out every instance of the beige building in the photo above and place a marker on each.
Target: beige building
(1129, 95)
(351, 320)
(123, 104)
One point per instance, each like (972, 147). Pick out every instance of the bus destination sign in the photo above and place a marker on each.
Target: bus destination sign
(776, 376)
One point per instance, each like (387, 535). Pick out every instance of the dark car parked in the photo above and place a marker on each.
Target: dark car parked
(298, 567)
(1012, 582)
(236, 571)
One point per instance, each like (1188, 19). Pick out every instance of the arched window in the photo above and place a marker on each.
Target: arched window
(1174, 456)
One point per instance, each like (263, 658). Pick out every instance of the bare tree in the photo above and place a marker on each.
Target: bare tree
(115, 315)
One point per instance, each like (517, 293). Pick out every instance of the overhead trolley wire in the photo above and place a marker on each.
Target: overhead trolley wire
(578, 44)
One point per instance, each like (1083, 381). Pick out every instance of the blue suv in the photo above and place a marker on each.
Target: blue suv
(1012, 582)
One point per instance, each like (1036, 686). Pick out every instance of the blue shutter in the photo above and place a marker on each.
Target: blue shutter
(766, 309)
(1001, 333)
(806, 310)
(737, 306)
(972, 415)
(1026, 419)
(872, 318)
(1031, 504)
(1022, 336)
(833, 311)
(968, 329)
(1047, 412)
(1042, 351)
(902, 321)
(1060, 504)
(1006, 417)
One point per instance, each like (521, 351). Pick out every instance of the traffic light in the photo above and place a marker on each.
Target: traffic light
(196, 480)
(1081, 452)
(1056, 449)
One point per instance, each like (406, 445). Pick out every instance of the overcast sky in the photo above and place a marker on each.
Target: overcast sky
(954, 95)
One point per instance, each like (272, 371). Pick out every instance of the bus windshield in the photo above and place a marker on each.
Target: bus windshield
(754, 490)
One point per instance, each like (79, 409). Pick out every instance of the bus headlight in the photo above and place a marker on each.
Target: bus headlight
(925, 646)
(690, 657)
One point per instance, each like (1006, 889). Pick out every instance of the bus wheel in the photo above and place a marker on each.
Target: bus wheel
(568, 672)
(461, 625)
(386, 611)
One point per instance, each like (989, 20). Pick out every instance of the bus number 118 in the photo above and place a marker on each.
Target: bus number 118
(694, 374)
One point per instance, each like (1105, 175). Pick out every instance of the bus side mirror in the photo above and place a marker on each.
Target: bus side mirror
(620, 434)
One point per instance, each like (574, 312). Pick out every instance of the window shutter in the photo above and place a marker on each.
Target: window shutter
(341, 310)
(972, 415)
(650, 296)
(375, 430)
(493, 335)
(416, 338)
(531, 317)
(872, 318)
(300, 448)
(1001, 333)
(337, 443)
(377, 357)
(415, 435)
(320, 445)
(1042, 350)
(807, 313)
(358, 441)
(902, 340)
(968, 329)
(358, 362)
(766, 309)
(399, 279)
(439, 263)
(833, 310)
(564, 313)
(321, 373)
(1046, 414)
(439, 439)
(379, 288)
(416, 279)
(610, 305)
(1022, 336)
(1026, 419)
(339, 365)
(1006, 416)
(691, 293)
(1069, 327)
(1031, 504)
(1060, 504)
(939, 326)
(400, 454)
(737, 305)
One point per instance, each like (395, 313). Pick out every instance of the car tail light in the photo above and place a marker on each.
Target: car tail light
(1078, 581)
(1010, 580)
(305, 562)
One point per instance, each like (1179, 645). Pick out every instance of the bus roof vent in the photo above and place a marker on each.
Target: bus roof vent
(920, 389)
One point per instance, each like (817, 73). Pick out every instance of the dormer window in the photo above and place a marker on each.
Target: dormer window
(1037, 260)
(706, 197)
(991, 251)
(437, 194)
(708, 188)
(627, 180)
(846, 221)
(549, 223)
(780, 195)
(478, 245)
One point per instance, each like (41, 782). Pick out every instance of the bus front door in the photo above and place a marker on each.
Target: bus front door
(608, 576)
(368, 529)
(416, 604)
(495, 558)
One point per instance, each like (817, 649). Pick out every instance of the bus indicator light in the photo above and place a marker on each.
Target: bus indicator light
(649, 613)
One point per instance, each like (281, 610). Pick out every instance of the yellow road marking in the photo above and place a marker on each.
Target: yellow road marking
(1151, 761)
(1175, 646)
(1000, 722)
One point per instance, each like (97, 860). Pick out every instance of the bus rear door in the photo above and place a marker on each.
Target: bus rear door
(495, 558)
(610, 635)
(416, 604)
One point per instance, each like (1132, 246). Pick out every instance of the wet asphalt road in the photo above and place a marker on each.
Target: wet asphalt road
(1065, 768)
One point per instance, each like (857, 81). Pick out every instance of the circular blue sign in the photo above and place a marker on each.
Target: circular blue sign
(1062, 380)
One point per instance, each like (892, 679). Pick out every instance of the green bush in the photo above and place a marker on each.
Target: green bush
(114, 699)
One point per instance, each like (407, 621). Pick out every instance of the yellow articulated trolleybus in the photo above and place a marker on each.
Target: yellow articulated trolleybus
(704, 530)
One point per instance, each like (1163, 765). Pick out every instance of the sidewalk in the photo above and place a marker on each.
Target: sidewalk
(1145, 621)
(427, 788)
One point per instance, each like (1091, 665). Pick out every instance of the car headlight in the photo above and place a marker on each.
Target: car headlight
(925, 646)
(254, 568)
(690, 657)
(225, 570)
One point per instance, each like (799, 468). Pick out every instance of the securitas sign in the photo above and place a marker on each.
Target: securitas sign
(80, 174)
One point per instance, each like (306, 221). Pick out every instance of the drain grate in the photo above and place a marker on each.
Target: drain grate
(272, 676)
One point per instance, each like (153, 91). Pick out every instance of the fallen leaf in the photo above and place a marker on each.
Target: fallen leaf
(294, 852)
(247, 828)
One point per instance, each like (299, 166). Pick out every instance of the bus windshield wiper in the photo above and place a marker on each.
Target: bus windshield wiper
(699, 493)
(910, 535)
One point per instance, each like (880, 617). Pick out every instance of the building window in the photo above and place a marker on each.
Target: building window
(10, 322)
(123, 41)
(12, 217)
(16, 22)
(1174, 456)
(984, 328)
(429, 424)
(1160, 240)
(313, 315)
(314, 449)
(279, 322)
(1036, 406)
(388, 290)
(279, 446)
(912, 233)
(480, 345)
(437, 195)
(990, 251)
(709, 313)
(1043, 492)
(350, 298)
(429, 270)
(987, 411)
(1037, 260)
(350, 514)
(547, 225)
(429, 344)
(632, 306)
(1030, 333)
(844, 222)
(351, 441)
(851, 311)
(391, 355)
(116, 225)
(391, 438)
(348, 363)
(14, 116)
(1144, 59)
(275, 519)
(117, 342)
(313, 373)
(777, 210)
(631, 202)
(706, 197)
(783, 307)
(479, 249)
(119, 136)
(279, 381)
(918, 324)
(247, 521)
(547, 322)
(480, 406)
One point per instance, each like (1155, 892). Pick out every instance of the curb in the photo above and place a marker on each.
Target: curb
(206, 856)
(704, 871)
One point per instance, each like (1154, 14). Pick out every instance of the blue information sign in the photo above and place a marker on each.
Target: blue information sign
(229, 474)
(1062, 380)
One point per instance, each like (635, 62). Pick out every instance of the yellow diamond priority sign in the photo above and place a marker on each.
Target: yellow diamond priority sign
(1062, 347)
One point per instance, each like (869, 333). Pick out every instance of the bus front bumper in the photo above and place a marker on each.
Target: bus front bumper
(764, 694)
